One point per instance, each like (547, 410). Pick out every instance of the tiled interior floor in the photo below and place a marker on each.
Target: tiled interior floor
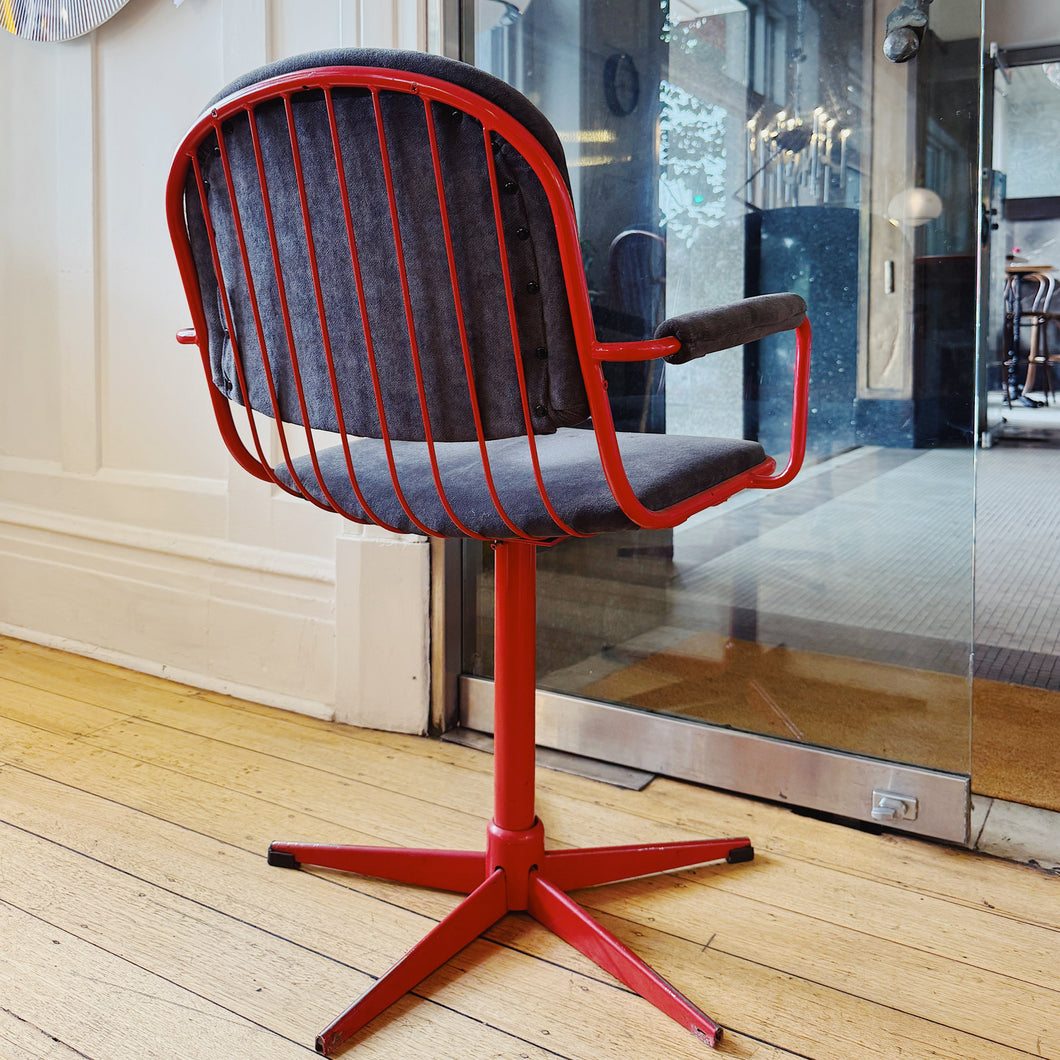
(867, 555)
(895, 584)
(870, 555)
(849, 565)
(1017, 573)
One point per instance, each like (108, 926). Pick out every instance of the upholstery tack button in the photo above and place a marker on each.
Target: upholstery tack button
(540, 410)
(541, 353)
(533, 287)
(509, 187)
(523, 233)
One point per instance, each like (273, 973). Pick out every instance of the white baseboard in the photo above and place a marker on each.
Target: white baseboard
(209, 682)
(273, 625)
(254, 622)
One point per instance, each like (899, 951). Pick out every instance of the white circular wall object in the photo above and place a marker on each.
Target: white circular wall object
(55, 20)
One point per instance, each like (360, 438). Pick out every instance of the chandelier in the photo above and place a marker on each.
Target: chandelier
(796, 161)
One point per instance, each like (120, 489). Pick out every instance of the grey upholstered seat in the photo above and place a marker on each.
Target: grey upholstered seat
(663, 470)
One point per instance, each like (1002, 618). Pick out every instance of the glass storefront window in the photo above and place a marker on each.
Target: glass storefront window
(725, 148)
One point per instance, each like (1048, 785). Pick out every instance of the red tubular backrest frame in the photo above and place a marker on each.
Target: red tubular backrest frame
(592, 353)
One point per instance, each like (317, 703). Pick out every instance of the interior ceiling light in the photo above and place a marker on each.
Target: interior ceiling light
(587, 136)
(56, 20)
(914, 207)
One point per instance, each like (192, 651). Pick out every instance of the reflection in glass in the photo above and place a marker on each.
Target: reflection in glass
(720, 149)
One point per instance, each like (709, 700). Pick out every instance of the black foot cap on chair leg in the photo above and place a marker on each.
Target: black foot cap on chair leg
(740, 854)
(282, 860)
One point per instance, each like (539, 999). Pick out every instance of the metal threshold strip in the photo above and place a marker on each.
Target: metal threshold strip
(561, 761)
(907, 798)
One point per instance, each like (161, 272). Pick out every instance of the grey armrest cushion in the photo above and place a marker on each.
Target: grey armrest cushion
(709, 330)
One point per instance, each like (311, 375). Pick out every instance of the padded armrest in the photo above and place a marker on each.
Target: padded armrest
(709, 330)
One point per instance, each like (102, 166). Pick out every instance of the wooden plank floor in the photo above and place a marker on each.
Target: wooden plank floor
(138, 918)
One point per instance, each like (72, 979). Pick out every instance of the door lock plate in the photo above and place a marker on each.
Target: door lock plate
(891, 806)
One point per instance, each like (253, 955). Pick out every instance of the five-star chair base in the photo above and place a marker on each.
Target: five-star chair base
(515, 873)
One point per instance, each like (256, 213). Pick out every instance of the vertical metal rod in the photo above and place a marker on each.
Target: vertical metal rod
(376, 384)
(514, 650)
(406, 296)
(226, 305)
(454, 279)
(369, 346)
(307, 228)
(288, 326)
(362, 305)
(325, 332)
(513, 328)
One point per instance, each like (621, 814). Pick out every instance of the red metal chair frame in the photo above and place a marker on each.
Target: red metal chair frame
(515, 872)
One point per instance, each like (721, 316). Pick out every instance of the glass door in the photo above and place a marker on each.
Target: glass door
(1016, 698)
(811, 645)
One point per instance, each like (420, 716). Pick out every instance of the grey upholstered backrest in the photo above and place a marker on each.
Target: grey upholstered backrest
(328, 325)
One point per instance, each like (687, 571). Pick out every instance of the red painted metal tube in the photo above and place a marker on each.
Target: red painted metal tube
(474, 915)
(591, 352)
(445, 870)
(410, 326)
(514, 684)
(226, 308)
(285, 313)
(344, 195)
(644, 350)
(461, 324)
(799, 413)
(175, 214)
(566, 918)
(318, 294)
(570, 870)
(761, 477)
(514, 332)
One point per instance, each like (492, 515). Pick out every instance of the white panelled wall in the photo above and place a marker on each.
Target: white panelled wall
(126, 532)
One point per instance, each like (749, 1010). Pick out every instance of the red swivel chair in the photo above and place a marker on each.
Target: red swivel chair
(381, 247)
